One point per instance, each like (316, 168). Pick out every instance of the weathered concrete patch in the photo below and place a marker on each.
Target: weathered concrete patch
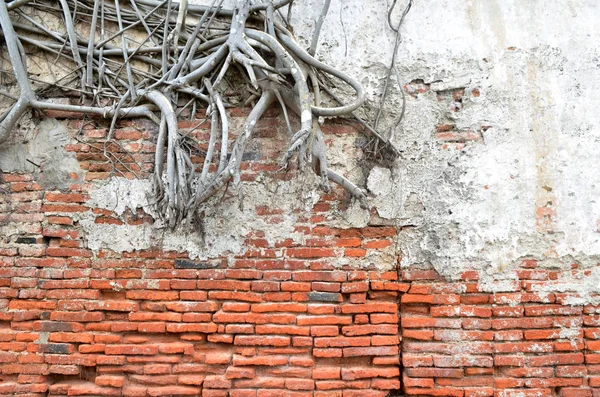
(226, 225)
(45, 156)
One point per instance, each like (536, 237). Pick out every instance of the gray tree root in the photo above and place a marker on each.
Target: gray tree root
(185, 54)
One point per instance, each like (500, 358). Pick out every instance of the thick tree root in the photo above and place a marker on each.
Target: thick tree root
(184, 58)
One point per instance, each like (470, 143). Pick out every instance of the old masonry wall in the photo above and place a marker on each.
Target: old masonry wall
(475, 273)
(296, 294)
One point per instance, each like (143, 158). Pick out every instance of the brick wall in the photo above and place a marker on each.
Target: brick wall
(281, 319)
(459, 340)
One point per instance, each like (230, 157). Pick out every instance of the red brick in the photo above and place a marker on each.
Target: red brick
(132, 349)
(65, 197)
(355, 252)
(524, 347)
(435, 372)
(152, 316)
(251, 340)
(370, 351)
(217, 382)
(155, 327)
(299, 384)
(417, 334)
(324, 320)
(380, 307)
(385, 384)
(378, 232)
(557, 359)
(302, 361)
(259, 360)
(357, 330)
(239, 328)
(571, 371)
(173, 390)
(549, 310)
(576, 392)
(378, 244)
(224, 317)
(310, 252)
(110, 380)
(461, 311)
(134, 391)
(65, 369)
(384, 340)
(325, 330)
(282, 329)
(279, 307)
(228, 285)
(296, 287)
(152, 295)
(185, 307)
(77, 316)
(87, 389)
(240, 373)
(333, 276)
(327, 353)
(368, 372)
(121, 306)
(235, 295)
(174, 347)
(417, 360)
(342, 341)
(71, 337)
(440, 391)
(462, 360)
(417, 382)
(205, 328)
(428, 322)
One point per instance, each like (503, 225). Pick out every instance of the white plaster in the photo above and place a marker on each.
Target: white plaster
(225, 224)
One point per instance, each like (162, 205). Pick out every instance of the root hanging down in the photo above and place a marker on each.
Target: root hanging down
(148, 57)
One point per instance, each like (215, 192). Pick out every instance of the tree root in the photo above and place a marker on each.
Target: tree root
(186, 54)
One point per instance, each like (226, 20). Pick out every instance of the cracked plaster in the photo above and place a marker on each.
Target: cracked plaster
(527, 187)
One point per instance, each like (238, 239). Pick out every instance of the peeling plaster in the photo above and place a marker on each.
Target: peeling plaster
(528, 188)
(225, 224)
(43, 154)
(585, 287)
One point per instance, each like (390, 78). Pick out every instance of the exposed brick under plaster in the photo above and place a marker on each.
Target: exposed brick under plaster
(280, 320)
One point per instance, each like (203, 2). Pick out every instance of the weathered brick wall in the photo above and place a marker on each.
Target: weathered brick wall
(282, 319)
(460, 339)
